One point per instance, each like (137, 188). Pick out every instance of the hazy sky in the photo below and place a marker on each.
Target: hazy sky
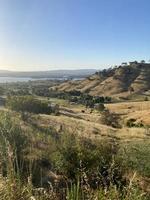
(56, 34)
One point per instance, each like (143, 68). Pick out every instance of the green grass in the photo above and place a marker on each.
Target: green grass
(136, 156)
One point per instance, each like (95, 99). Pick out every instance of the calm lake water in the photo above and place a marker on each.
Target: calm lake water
(22, 79)
(26, 79)
(13, 79)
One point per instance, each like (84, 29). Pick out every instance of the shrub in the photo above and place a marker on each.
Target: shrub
(2, 91)
(146, 99)
(89, 161)
(132, 123)
(100, 107)
(28, 104)
(110, 119)
(136, 157)
(13, 145)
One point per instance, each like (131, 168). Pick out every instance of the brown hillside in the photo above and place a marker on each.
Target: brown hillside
(120, 81)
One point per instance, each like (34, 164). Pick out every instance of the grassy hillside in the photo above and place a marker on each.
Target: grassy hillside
(123, 81)
(71, 145)
(75, 154)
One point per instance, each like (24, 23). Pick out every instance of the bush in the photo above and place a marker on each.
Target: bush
(27, 104)
(132, 123)
(2, 91)
(110, 119)
(13, 145)
(146, 99)
(89, 161)
(100, 107)
(136, 157)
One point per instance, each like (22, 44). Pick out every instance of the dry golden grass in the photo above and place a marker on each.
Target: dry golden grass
(88, 124)
(137, 110)
(81, 127)
(116, 84)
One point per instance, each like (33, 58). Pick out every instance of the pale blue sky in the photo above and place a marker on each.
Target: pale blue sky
(72, 34)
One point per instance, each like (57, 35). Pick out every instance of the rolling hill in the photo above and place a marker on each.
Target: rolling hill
(122, 81)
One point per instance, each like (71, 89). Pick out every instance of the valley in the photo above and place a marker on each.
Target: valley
(61, 134)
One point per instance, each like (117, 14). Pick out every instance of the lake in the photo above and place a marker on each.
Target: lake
(13, 79)
(23, 79)
(26, 79)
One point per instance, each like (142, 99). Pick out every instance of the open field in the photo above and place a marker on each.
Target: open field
(79, 120)
(138, 110)
(75, 118)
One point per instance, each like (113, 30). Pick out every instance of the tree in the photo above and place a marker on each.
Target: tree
(142, 61)
(124, 64)
(100, 107)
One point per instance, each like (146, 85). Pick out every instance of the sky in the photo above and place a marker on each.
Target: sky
(72, 34)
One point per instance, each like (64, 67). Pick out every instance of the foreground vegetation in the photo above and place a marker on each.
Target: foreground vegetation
(44, 164)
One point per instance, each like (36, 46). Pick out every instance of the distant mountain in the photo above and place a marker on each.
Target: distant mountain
(81, 73)
(122, 81)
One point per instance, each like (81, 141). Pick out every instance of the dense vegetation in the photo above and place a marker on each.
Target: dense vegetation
(27, 104)
(65, 166)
